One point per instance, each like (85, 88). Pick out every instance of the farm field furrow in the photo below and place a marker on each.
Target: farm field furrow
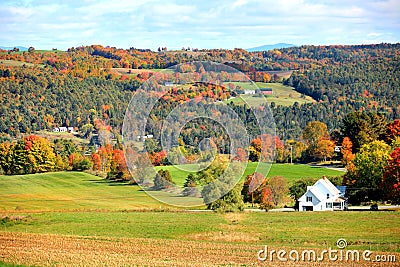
(55, 250)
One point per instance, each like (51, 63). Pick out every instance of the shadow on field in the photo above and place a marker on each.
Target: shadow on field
(111, 182)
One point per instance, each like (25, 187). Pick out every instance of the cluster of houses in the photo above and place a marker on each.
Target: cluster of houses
(64, 129)
(143, 137)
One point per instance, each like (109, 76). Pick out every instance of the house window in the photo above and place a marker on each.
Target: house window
(309, 199)
(329, 205)
(327, 196)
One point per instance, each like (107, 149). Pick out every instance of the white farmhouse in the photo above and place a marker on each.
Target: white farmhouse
(63, 129)
(249, 92)
(323, 195)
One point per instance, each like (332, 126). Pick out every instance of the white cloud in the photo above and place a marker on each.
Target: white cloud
(206, 23)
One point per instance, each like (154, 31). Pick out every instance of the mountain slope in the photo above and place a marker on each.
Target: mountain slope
(270, 47)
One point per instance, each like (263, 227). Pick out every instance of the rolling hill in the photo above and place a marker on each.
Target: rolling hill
(269, 47)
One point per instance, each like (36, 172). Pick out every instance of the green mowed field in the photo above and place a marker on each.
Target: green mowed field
(291, 172)
(70, 191)
(282, 95)
(82, 191)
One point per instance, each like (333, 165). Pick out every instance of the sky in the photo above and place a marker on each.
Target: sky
(174, 24)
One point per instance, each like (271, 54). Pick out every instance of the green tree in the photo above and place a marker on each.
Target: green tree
(367, 170)
(230, 202)
(213, 192)
(151, 145)
(19, 159)
(296, 150)
(299, 187)
(85, 164)
(190, 186)
(162, 180)
(363, 128)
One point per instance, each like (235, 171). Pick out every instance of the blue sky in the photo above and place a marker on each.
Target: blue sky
(202, 24)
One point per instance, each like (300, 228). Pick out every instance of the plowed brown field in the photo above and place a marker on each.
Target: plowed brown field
(59, 250)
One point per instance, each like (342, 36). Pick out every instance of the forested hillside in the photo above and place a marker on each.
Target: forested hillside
(80, 86)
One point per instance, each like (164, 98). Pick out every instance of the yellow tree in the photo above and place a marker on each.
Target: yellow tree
(324, 149)
(40, 154)
(5, 157)
(314, 131)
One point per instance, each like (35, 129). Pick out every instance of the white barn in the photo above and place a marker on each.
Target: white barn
(321, 196)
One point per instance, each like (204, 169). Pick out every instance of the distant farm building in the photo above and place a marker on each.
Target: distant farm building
(64, 129)
(143, 137)
(266, 91)
(249, 92)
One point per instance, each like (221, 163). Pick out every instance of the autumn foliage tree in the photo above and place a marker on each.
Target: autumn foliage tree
(253, 187)
(324, 149)
(31, 154)
(347, 151)
(274, 192)
(119, 169)
(393, 130)
(367, 172)
(255, 150)
(391, 178)
(6, 157)
(314, 131)
(40, 154)
(316, 136)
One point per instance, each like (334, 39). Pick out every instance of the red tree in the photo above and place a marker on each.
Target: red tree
(391, 177)
(393, 130)
(96, 161)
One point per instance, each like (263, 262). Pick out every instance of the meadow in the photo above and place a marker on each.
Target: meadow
(291, 172)
(69, 191)
(282, 95)
(77, 219)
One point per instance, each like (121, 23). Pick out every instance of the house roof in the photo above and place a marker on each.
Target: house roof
(317, 193)
(339, 199)
(314, 192)
(325, 181)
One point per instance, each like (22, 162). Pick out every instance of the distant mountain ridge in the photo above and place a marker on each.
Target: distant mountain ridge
(269, 47)
(21, 48)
